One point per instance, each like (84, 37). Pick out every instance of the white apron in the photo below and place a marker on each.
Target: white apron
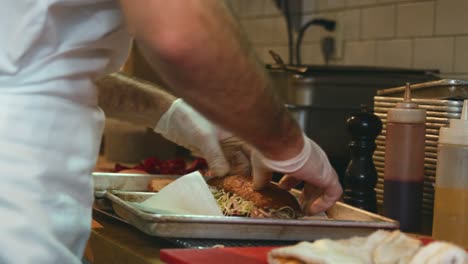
(50, 125)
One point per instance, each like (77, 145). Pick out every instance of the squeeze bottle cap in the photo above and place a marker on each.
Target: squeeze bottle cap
(406, 111)
(457, 131)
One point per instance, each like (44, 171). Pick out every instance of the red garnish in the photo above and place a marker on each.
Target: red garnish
(178, 166)
(119, 167)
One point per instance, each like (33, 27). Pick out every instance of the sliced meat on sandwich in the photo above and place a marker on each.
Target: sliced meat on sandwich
(233, 193)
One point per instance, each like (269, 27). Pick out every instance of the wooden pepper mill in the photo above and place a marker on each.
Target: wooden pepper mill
(360, 177)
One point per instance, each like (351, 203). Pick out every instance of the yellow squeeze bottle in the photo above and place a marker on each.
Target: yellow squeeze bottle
(451, 187)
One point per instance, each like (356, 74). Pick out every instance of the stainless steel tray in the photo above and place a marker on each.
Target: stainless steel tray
(440, 89)
(344, 220)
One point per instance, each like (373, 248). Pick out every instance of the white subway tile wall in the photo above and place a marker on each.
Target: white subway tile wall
(329, 4)
(280, 32)
(415, 19)
(429, 34)
(311, 54)
(270, 8)
(394, 53)
(359, 53)
(461, 55)
(307, 6)
(378, 22)
(349, 22)
(434, 53)
(353, 3)
(392, 1)
(451, 17)
(248, 8)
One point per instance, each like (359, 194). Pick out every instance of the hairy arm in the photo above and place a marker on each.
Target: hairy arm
(200, 51)
(132, 100)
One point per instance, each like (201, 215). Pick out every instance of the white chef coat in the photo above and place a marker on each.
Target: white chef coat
(50, 125)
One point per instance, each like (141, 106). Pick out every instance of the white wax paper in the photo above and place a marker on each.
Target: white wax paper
(188, 195)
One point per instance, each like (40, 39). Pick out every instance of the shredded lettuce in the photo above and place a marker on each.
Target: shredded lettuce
(234, 205)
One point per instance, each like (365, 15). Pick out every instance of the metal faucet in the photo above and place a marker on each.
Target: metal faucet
(327, 44)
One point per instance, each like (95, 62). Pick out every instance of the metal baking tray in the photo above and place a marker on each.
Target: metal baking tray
(343, 220)
(440, 89)
(124, 181)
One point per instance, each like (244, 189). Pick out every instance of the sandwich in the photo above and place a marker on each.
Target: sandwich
(236, 197)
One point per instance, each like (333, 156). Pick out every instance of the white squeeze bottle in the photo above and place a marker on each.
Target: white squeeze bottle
(451, 187)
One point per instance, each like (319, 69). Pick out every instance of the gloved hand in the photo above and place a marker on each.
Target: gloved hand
(322, 188)
(186, 127)
(238, 153)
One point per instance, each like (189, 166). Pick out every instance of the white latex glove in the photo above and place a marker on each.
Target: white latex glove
(184, 126)
(322, 188)
(237, 153)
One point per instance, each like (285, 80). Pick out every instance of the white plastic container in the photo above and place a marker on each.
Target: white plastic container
(451, 187)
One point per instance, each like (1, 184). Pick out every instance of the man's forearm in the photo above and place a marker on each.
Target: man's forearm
(201, 53)
(132, 100)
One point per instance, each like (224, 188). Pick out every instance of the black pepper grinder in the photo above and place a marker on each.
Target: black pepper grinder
(360, 177)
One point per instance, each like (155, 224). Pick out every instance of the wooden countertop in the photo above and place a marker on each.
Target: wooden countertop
(112, 241)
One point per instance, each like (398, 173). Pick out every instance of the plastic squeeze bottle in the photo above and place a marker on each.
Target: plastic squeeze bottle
(404, 163)
(451, 188)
